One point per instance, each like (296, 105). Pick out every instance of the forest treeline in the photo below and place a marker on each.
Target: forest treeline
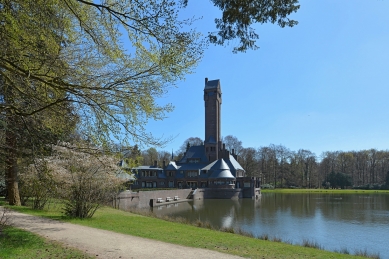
(280, 167)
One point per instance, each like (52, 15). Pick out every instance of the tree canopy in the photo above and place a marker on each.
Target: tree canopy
(98, 67)
(238, 17)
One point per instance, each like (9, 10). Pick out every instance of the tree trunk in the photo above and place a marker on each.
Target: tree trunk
(11, 169)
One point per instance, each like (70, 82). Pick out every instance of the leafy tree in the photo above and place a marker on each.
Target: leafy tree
(238, 17)
(233, 142)
(132, 156)
(69, 53)
(248, 160)
(189, 142)
(149, 156)
(84, 181)
(338, 180)
(68, 57)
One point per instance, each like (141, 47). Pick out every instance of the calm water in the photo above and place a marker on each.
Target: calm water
(334, 221)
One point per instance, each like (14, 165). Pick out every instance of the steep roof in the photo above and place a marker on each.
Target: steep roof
(220, 169)
(171, 166)
(146, 167)
(195, 152)
(220, 165)
(211, 84)
(233, 164)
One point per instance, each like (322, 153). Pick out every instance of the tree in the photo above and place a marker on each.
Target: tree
(69, 52)
(248, 160)
(337, 180)
(163, 156)
(283, 155)
(149, 156)
(132, 156)
(84, 181)
(238, 16)
(189, 142)
(231, 143)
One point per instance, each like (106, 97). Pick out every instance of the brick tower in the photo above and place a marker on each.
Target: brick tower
(213, 101)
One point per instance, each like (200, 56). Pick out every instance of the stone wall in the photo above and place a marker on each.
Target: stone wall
(141, 199)
(130, 200)
(218, 194)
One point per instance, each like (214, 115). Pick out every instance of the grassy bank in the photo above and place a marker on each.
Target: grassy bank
(16, 243)
(188, 235)
(337, 191)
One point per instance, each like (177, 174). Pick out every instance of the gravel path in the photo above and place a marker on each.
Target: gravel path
(106, 244)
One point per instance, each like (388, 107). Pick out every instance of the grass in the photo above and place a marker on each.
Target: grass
(337, 191)
(17, 243)
(188, 235)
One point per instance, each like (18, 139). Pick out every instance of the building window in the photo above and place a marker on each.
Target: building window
(170, 173)
(193, 160)
(143, 185)
(149, 184)
(192, 184)
(154, 184)
(162, 183)
(192, 174)
(171, 184)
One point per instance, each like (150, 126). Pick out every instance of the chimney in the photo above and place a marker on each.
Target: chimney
(155, 163)
(224, 146)
(233, 151)
(164, 164)
(206, 80)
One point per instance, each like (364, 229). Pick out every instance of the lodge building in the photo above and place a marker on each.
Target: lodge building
(209, 166)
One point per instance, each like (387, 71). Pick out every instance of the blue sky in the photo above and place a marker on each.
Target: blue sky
(322, 85)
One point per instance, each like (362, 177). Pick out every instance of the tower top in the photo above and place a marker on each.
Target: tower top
(211, 84)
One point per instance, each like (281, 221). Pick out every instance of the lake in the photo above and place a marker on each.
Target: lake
(334, 221)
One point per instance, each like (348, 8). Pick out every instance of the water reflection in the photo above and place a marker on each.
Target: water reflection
(335, 221)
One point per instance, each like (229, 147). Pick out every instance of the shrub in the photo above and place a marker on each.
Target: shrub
(5, 218)
(86, 181)
(267, 186)
(38, 183)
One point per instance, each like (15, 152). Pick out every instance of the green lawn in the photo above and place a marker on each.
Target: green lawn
(16, 243)
(188, 235)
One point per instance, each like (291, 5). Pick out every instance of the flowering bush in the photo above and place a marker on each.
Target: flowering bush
(84, 181)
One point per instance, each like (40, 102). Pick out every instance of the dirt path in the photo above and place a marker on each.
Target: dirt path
(106, 244)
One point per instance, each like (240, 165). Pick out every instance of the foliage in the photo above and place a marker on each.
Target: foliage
(338, 180)
(64, 61)
(267, 186)
(232, 143)
(130, 157)
(72, 52)
(191, 141)
(38, 182)
(238, 17)
(5, 219)
(86, 180)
